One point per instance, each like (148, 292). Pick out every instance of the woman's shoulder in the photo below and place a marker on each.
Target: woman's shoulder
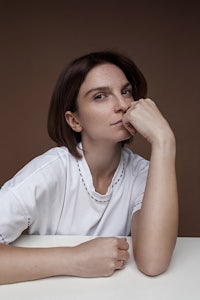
(53, 161)
(53, 157)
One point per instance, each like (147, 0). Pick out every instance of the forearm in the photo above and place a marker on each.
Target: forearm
(98, 257)
(158, 219)
(23, 264)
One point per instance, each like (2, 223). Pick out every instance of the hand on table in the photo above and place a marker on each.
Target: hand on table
(100, 257)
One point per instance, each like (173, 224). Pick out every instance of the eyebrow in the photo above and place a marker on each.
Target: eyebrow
(105, 88)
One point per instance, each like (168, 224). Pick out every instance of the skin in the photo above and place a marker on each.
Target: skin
(107, 114)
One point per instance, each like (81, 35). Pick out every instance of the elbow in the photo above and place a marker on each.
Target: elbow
(152, 263)
(152, 271)
(152, 268)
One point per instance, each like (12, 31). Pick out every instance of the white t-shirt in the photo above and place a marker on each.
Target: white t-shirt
(54, 194)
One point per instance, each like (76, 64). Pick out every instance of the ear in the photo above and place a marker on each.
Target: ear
(72, 121)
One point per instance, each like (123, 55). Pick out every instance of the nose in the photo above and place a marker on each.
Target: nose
(122, 104)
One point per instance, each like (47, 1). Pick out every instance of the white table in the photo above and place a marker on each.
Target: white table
(180, 282)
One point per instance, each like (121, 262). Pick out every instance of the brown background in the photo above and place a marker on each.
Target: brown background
(38, 38)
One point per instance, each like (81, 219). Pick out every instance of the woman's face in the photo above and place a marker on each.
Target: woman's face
(104, 96)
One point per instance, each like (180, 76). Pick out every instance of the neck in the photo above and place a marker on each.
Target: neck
(103, 160)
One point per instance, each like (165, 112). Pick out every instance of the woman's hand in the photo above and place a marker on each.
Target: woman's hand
(144, 117)
(96, 258)
(100, 257)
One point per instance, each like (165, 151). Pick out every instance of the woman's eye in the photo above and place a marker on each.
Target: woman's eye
(127, 92)
(99, 96)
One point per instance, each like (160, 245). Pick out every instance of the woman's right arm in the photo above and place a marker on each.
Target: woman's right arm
(98, 257)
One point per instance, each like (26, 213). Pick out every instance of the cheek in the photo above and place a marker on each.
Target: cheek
(86, 118)
(93, 115)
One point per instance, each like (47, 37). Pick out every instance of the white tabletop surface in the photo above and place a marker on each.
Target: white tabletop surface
(180, 282)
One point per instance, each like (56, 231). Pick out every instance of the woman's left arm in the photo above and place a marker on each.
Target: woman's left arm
(155, 225)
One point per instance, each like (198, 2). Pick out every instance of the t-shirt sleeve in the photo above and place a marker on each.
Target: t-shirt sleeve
(14, 217)
(28, 194)
(139, 184)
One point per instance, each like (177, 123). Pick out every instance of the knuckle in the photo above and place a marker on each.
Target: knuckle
(112, 266)
(115, 254)
(126, 244)
(114, 242)
(127, 255)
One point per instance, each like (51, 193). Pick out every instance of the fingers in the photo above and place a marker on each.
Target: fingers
(144, 117)
(107, 254)
(122, 254)
(130, 128)
(120, 264)
(123, 244)
(126, 120)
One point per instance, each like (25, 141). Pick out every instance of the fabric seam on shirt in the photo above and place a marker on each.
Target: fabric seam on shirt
(37, 170)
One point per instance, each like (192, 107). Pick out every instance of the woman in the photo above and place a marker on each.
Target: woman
(91, 184)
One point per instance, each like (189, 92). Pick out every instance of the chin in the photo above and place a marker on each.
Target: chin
(126, 138)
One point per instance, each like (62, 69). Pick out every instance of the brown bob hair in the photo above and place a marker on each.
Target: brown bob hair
(64, 97)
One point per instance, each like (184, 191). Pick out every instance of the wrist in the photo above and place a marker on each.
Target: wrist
(64, 261)
(166, 144)
(71, 261)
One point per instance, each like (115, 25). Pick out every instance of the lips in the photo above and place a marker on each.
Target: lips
(118, 122)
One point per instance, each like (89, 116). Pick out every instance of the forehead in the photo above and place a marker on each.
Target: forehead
(103, 75)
